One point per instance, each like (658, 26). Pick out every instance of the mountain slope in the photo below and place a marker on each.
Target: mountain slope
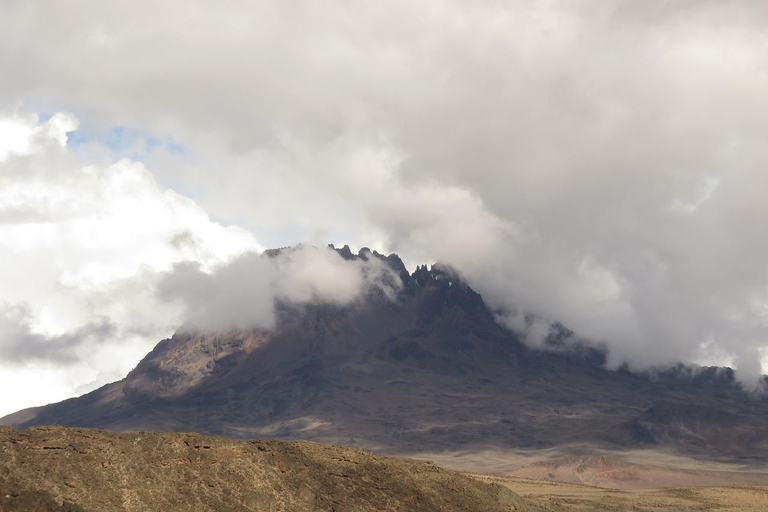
(428, 370)
(74, 470)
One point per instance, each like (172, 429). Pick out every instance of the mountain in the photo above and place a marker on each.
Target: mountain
(73, 470)
(427, 370)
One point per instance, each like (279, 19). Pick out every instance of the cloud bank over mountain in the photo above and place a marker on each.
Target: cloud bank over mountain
(600, 164)
(245, 292)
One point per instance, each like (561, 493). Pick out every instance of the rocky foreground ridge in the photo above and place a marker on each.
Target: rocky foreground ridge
(79, 470)
(427, 370)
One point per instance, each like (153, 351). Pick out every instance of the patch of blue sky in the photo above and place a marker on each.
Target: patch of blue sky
(124, 141)
(77, 138)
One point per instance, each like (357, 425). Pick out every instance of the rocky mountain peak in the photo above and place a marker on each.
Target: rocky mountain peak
(424, 370)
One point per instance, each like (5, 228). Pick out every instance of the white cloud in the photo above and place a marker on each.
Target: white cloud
(597, 163)
(81, 247)
(20, 135)
(244, 292)
(14, 137)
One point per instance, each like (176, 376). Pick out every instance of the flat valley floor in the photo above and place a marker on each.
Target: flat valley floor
(584, 479)
(561, 497)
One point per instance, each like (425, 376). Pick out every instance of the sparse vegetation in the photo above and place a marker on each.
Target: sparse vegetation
(79, 470)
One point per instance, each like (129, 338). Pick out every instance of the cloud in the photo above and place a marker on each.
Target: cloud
(82, 247)
(21, 343)
(595, 163)
(245, 292)
(21, 135)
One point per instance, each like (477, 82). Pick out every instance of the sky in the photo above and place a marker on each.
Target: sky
(597, 163)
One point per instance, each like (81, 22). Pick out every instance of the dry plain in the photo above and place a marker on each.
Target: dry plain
(552, 496)
(583, 478)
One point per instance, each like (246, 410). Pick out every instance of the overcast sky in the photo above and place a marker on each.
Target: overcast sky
(599, 163)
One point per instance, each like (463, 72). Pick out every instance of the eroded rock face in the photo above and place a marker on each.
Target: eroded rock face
(181, 363)
(79, 470)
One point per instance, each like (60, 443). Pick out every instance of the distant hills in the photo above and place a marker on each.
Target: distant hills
(427, 370)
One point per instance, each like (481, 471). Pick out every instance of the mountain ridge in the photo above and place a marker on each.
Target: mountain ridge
(428, 369)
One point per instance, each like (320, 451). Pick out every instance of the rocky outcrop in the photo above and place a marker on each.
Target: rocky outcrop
(699, 428)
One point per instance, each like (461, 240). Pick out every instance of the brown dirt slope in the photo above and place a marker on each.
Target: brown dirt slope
(81, 470)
